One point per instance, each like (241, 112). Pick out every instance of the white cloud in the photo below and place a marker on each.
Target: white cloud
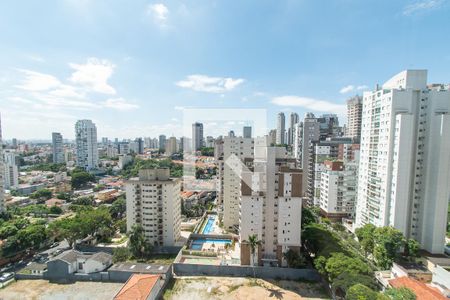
(203, 83)
(362, 87)
(159, 12)
(309, 103)
(421, 6)
(179, 108)
(35, 81)
(347, 89)
(94, 74)
(119, 104)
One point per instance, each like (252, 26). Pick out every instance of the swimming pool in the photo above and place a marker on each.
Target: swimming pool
(209, 225)
(198, 244)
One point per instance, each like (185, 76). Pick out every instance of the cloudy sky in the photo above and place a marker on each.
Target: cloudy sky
(133, 66)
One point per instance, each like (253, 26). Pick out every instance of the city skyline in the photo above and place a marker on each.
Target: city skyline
(80, 72)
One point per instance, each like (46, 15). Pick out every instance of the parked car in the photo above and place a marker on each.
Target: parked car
(6, 276)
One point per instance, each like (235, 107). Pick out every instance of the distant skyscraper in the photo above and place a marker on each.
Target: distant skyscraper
(273, 137)
(11, 170)
(281, 129)
(231, 134)
(171, 145)
(354, 117)
(404, 167)
(139, 145)
(329, 126)
(162, 142)
(105, 141)
(197, 136)
(310, 133)
(14, 143)
(86, 144)
(2, 179)
(57, 148)
(293, 119)
(247, 132)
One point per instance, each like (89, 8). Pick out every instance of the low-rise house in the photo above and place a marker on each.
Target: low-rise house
(420, 289)
(36, 269)
(54, 202)
(71, 261)
(141, 287)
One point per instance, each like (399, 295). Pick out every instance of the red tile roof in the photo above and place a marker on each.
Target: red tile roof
(138, 287)
(422, 291)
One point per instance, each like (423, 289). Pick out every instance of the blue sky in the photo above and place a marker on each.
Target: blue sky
(131, 66)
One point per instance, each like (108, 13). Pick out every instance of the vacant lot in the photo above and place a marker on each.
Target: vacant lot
(42, 290)
(187, 288)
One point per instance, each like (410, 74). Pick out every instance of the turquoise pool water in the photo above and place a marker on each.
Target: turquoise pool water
(198, 244)
(209, 225)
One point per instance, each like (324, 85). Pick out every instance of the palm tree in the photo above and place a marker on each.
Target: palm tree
(254, 243)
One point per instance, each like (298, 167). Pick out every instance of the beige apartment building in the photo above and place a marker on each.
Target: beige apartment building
(270, 205)
(154, 202)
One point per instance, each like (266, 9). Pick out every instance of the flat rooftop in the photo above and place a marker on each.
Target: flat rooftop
(140, 268)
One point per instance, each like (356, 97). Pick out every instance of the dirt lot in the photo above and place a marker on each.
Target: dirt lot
(43, 290)
(187, 288)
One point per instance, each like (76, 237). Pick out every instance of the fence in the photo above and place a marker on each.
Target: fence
(180, 269)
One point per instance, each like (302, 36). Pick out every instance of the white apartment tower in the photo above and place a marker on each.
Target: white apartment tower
(236, 150)
(154, 202)
(293, 120)
(2, 189)
(354, 116)
(404, 165)
(270, 205)
(281, 121)
(197, 136)
(10, 170)
(86, 144)
(309, 133)
(57, 148)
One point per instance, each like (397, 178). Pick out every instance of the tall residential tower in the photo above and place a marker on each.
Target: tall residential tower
(405, 159)
(86, 144)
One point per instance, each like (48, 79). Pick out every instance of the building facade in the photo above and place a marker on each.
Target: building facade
(405, 159)
(154, 202)
(281, 128)
(57, 148)
(354, 117)
(270, 205)
(239, 150)
(197, 136)
(86, 144)
(11, 170)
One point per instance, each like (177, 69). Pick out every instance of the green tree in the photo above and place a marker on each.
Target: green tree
(83, 201)
(361, 292)
(294, 259)
(139, 247)
(7, 231)
(309, 216)
(69, 229)
(81, 178)
(412, 248)
(347, 279)
(121, 225)
(253, 243)
(63, 196)
(365, 236)
(339, 263)
(320, 263)
(401, 293)
(388, 241)
(55, 210)
(121, 254)
(43, 194)
(118, 208)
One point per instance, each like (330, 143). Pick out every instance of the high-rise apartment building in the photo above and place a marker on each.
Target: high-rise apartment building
(405, 159)
(2, 179)
(247, 132)
(154, 202)
(229, 177)
(281, 123)
(162, 142)
(171, 146)
(86, 144)
(321, 151)
(329, 126)
(197, 136)
(57, 148)
(273, 136)
(354, 116)
(11, 170)
(293, 120)
(270, 205)
(306, 133)
(338, 189)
